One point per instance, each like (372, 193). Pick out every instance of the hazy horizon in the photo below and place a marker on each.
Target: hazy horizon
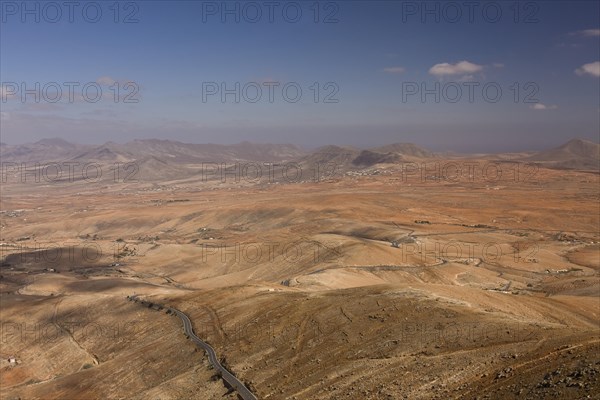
(308, 148)
(355, 73)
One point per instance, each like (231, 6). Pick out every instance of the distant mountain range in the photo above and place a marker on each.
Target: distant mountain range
(170, 151)
(167, 155)
(174, 152)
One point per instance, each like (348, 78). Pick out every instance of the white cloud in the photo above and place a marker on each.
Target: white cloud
(592, 69)
(587, 33)
(105, 80)
(463, 67)
(394, 70)
(540, 106)
(466, 78)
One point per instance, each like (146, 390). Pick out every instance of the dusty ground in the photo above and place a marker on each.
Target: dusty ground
(493, 289)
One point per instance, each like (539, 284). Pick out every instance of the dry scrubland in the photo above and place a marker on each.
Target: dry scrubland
(492, 290)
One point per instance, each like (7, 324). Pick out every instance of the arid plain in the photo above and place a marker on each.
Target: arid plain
(392, 273)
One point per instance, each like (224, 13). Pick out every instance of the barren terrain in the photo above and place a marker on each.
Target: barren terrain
(376, 282)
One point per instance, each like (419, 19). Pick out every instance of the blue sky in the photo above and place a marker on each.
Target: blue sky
(543, 56)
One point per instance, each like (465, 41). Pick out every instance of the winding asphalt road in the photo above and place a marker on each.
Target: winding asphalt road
(228, 377)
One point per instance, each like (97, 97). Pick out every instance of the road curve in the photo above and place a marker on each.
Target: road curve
(228, 377)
